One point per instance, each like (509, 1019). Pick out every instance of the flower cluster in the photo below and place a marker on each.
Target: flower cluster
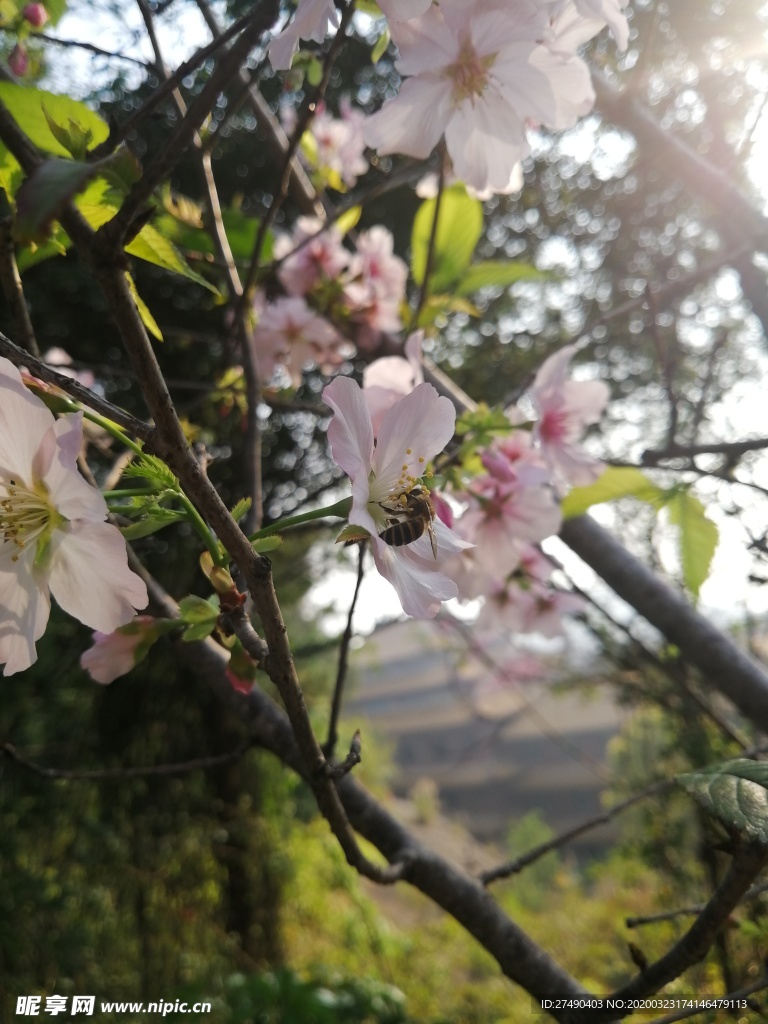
(507, 510)
(327, 284)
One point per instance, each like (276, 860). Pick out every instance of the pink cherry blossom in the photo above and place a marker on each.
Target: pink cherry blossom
(374, 285)
(339, 143)
(412, 433)
(115, 654)
(54, 535)
(479, 69)
(313, 19)
(386, 380)
(529, 608)
(565, 408)
(310, 257)
(291, 335)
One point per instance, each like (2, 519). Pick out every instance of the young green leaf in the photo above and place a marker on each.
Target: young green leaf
(146, 317)
(460, 224)
(698, 537)
(34, 109)
(615, 482)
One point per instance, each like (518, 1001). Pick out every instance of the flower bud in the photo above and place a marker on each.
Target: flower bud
(18, 61)
(35, 14)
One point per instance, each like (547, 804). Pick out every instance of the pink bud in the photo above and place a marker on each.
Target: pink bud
(35, 14)
(18, 61)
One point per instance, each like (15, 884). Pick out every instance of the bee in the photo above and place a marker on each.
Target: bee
(410, 520)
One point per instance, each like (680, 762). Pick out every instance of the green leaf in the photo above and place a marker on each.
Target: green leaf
(194, 609)
(142, 528)
(735, 792)
(241, 508)
(199, 631)
(73, 137)
(153, 469)
(698, 537)
(460, 224)
(44, 194)
(151, 246)
(615, 482)
(440, 305)
(146, 317)
(34, 109)
(264, 544)
(497, 273)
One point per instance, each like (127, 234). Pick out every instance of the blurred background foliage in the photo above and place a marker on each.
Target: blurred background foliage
(220, 883)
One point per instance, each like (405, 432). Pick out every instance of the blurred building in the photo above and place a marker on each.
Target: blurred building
(494, 750)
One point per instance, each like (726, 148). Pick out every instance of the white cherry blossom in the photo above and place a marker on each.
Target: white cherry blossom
(53, 534)
(412, 433)
(479, 69)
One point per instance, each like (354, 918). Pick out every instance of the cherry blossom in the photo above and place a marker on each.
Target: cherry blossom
(291, 335)
(565, 409)
(509, 508)
(340, 143)
(412, 433)
(529, 608)
(386, 380)
(311, 257)
(479, 69)
(574, 22)
(402, 10)
(54, 535)
(115, 654)
(313, 19)
(375, 282)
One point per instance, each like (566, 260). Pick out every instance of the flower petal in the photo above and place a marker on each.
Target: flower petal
(413, 121)
(90, 578)
(24, 610)
(72, 495)
(24, 422)
(350, 432)
(423, 422)
(421, 590)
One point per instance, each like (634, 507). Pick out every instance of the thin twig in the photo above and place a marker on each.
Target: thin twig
(120, 133)
(302, 123)
(432, 244)
(301, 188)
(77, 774)
(79, 392)
(113, 233)
(92, 48)
(670, 915)
(341, 671)
(733, 997)
(513, 867)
